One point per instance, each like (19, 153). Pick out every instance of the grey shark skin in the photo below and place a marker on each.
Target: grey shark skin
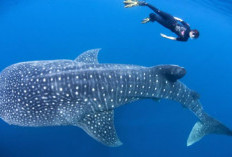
(85, 93)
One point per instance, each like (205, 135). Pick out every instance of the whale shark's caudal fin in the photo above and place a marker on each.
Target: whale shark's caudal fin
(210, 126)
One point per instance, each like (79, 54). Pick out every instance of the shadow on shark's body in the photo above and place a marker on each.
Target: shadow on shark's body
(85, 93)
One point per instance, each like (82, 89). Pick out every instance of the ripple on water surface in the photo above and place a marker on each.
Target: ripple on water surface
(224, 6)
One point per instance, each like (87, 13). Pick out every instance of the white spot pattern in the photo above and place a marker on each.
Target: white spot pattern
(62, 92)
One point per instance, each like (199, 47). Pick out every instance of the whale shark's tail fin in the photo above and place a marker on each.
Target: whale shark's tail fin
(208, 126)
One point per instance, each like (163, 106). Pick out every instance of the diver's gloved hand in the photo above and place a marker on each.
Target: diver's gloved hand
(130, 3)
(146, 20)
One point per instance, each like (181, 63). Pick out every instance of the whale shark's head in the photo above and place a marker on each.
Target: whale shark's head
(12, 86)
(4, 76)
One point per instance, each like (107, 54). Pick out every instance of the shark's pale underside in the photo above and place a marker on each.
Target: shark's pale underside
(85, 93)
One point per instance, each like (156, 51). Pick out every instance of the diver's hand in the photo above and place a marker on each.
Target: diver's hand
(163, 35)
(130, 3)
(167, 37)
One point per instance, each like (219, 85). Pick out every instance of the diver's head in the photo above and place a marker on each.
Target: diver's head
(194, 34)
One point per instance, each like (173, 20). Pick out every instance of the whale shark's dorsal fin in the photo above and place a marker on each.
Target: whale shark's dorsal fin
(100, 126)
(89, 57)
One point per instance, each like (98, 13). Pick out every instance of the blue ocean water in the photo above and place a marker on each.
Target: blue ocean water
(58, 29)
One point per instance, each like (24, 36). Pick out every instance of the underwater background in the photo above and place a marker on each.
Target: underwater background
(62, 29)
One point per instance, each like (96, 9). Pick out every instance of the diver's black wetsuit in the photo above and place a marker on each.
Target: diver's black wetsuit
(182, 29)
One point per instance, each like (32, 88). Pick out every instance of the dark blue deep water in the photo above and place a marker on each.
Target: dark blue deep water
(58, 29)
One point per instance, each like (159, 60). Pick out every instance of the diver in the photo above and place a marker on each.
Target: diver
(175, 24)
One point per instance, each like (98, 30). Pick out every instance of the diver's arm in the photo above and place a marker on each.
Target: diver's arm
(182, 21)
(178, 19)
(167, 37)
(185, 24)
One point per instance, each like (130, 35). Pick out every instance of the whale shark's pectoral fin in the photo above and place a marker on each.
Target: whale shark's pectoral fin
(90, 57)
(100, 126)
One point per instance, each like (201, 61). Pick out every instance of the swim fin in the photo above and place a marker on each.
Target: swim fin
(146, 20)
(130, 3)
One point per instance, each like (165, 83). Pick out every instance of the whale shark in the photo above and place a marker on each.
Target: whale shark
(84, 93)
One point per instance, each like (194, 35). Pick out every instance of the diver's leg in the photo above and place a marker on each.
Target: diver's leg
(132, 3)
(160, 19)
(159, 12)
(152, 18)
